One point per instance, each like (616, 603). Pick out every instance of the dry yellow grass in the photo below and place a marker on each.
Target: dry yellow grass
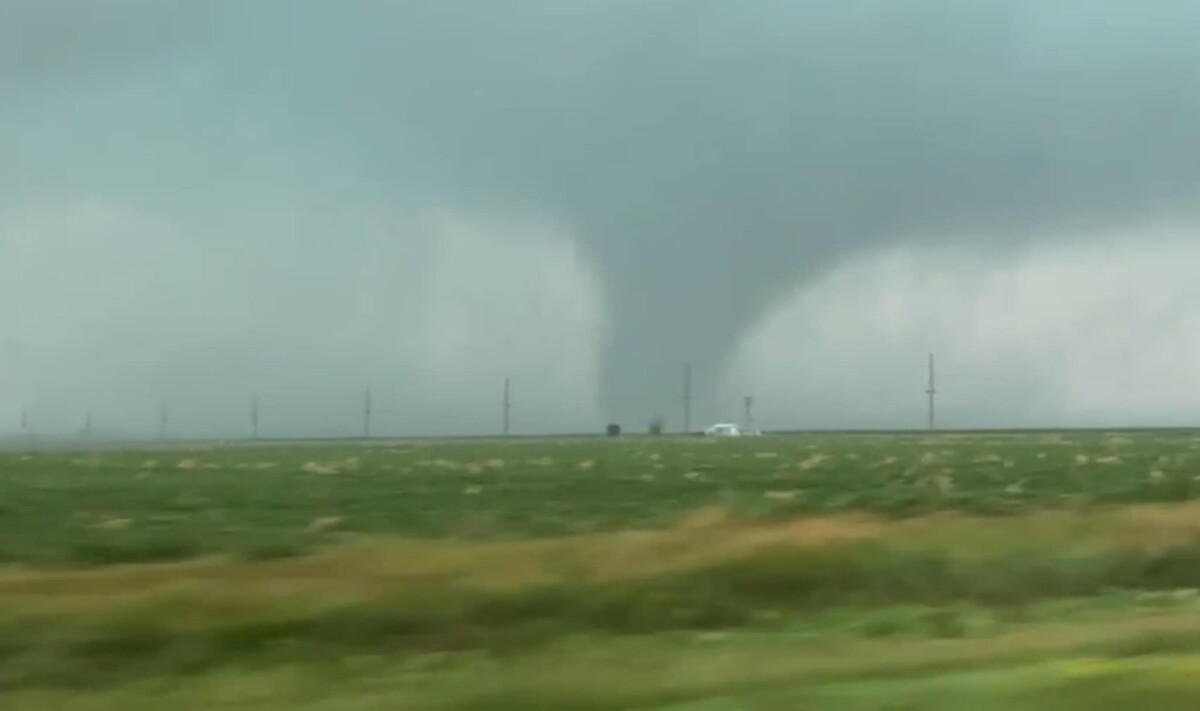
(372, 570)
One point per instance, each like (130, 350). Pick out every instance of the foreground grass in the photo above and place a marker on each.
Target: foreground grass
(948, 575)
(1094, 665)
(257, 503)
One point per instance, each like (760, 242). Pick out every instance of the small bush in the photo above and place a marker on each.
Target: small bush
(945, 623)
(137, 548)
(278, 549)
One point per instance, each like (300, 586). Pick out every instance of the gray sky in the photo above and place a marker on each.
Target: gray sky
(208, 199)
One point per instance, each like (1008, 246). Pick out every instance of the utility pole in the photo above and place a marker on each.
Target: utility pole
(749, 401)
(27, 425)
(87, 423)
(687, 398)
(254, 417)
(162, 420)
(507, 404)
(367, 413)
(931, 391)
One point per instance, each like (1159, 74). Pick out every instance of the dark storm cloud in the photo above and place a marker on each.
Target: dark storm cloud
(78, 40)
(713, 152)
(707, 154)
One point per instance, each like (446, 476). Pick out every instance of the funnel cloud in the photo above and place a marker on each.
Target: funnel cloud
(203, 202)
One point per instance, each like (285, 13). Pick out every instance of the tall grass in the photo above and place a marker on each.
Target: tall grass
(709, 574)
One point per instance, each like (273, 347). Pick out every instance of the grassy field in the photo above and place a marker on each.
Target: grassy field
(1049, 571)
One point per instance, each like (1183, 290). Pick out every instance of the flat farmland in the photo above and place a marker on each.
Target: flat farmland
(840, 571)
(266, 501)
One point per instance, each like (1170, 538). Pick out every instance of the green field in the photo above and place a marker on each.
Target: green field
(859, 572)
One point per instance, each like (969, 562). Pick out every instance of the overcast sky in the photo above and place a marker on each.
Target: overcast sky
(205, 200)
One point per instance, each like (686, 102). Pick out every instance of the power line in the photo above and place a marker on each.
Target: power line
(687, 398)
(931, 391)
(367, 413)
(254, 417)
(27, 426)
(507, 404)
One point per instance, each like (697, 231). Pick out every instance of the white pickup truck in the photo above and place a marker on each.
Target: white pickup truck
(723, 430)
(728, 429)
